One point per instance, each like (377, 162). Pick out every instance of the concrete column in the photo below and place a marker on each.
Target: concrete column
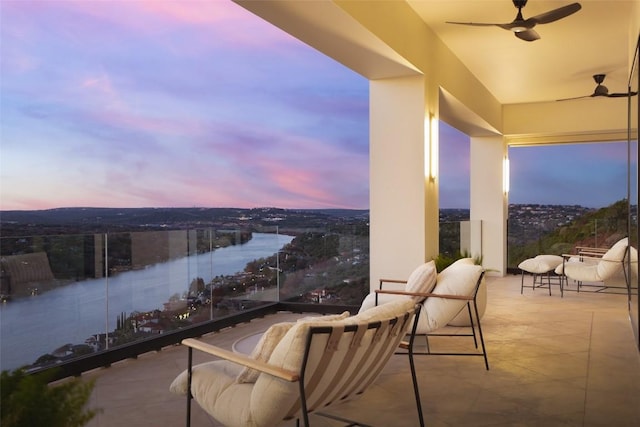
(489, 202)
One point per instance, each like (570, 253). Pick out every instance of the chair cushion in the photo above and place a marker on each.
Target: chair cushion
(462, 318)
(582, 271)
(383, 311)
(263, 349)
(611, 262)
(325, 318)
(214, 387)
(460, 278)
(617, 251)
(541, 264)
(422, 279)
(560, 268)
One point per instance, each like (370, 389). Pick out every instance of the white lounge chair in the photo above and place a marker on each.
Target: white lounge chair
(594, 265)
(314, 364)
(445, 298)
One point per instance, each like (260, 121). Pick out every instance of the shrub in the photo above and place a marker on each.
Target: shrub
(29, 400)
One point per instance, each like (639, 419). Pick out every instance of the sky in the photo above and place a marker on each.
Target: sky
(593, 175)
(178, 104)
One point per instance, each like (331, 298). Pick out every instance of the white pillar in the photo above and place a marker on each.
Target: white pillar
(489, 202)
(398, 199)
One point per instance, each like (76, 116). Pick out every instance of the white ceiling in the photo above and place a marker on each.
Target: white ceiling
(559, 65)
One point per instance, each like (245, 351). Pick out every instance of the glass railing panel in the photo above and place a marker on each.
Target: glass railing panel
(185, 277)
(49, 289)
(67, 296)
(460, 239)
(326, 265)
(531, 236)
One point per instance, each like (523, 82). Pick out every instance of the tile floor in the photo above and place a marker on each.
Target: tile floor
(554, 361)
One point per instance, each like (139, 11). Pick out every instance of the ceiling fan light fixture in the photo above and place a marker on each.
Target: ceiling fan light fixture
(519, 29)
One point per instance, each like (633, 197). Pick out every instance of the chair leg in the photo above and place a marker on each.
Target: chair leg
(484, 350)
(473, 329)
(414, 377)
(190, 375)
(303, 403)
(522, 282)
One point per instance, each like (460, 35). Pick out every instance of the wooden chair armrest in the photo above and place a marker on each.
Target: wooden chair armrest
(241, 359)
(570, 255)
(587, 257)
(590, 249)
(591, 254)
(424, 294)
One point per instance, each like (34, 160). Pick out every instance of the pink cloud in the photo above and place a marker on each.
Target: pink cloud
(140, 126)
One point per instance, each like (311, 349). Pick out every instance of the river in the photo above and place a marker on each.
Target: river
(33, 326)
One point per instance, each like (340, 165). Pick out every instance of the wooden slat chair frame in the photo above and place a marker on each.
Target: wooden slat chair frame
(368, 364)
(472, 309)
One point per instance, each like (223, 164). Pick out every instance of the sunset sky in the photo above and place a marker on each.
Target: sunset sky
(193, 103)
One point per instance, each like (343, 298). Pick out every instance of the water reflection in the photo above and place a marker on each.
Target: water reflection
(33, 326)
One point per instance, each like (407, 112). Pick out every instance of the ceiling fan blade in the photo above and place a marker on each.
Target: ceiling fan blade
(476, 24)
(575, 97)
(622, 95)
(555, 14)
(527, 35)
(597, 95)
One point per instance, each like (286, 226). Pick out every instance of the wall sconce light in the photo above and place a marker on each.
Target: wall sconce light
(431, 147)
(505, 175)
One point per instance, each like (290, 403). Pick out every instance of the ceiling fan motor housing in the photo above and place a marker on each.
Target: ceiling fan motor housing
(519, 3)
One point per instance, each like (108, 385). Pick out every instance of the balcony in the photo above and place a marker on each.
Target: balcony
(554, 361)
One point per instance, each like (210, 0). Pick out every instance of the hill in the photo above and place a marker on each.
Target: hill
(100, 220)
(595, 228)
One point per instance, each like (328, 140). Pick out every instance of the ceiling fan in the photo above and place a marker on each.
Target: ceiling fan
(602, 90)
(523, 28)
